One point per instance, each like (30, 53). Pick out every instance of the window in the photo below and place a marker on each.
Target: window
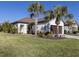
(54, 29)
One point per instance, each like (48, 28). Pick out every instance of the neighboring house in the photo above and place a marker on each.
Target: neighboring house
(71, 29)
(43, 25)
(23, 25)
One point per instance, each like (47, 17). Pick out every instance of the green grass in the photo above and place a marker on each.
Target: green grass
(28, 45)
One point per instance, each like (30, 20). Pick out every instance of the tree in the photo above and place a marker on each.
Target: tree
(8, 28)
(69, 16)
(35, 9)
(69, 20)
(48, 15)
(60, 12)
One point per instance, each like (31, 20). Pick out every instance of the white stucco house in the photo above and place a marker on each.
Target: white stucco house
(22, 26)
(50, 26)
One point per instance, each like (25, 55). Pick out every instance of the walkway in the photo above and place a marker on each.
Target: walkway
(71, 36)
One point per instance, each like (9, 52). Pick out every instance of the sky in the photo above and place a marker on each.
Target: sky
(15, 10)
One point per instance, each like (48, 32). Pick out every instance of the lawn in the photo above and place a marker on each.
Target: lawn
(28, 45)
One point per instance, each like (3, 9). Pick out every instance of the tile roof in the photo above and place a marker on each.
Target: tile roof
(24, 20)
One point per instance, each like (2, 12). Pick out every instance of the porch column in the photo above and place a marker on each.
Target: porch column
(25, 28)
(62, 30)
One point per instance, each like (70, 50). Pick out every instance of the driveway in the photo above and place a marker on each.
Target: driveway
(71, 36)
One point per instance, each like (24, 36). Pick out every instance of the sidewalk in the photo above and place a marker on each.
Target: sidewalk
(71, 36)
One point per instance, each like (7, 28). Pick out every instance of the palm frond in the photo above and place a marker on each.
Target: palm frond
(36, 8)
(69, 16)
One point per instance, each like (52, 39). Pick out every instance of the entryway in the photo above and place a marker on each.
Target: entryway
(54, 29)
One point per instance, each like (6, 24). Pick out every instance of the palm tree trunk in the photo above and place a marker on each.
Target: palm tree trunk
(36, 26)
(36, 22)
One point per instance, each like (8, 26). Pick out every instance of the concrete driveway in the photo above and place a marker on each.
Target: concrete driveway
(71, 36)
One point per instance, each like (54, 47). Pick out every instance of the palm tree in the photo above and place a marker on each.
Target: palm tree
(48, 15)
(60, 12)
(70, 23)
(69, 16)
(35, 9)
(69, 20)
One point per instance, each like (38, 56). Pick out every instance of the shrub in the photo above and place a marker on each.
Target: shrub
(50, 35)
(78, 31)
(41, 34)
(13, 29)
(65, 32)
(0, 28)
(68, 32)
(75, 32)
(46, 33)
(8, 28)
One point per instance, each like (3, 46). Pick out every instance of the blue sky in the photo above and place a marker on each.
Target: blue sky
(14, 10)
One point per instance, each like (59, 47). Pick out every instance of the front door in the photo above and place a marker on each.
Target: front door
(54, 29)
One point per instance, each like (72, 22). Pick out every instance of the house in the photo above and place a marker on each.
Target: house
(23, 25)
(71, 29)
(43, 25)
(50, 26)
